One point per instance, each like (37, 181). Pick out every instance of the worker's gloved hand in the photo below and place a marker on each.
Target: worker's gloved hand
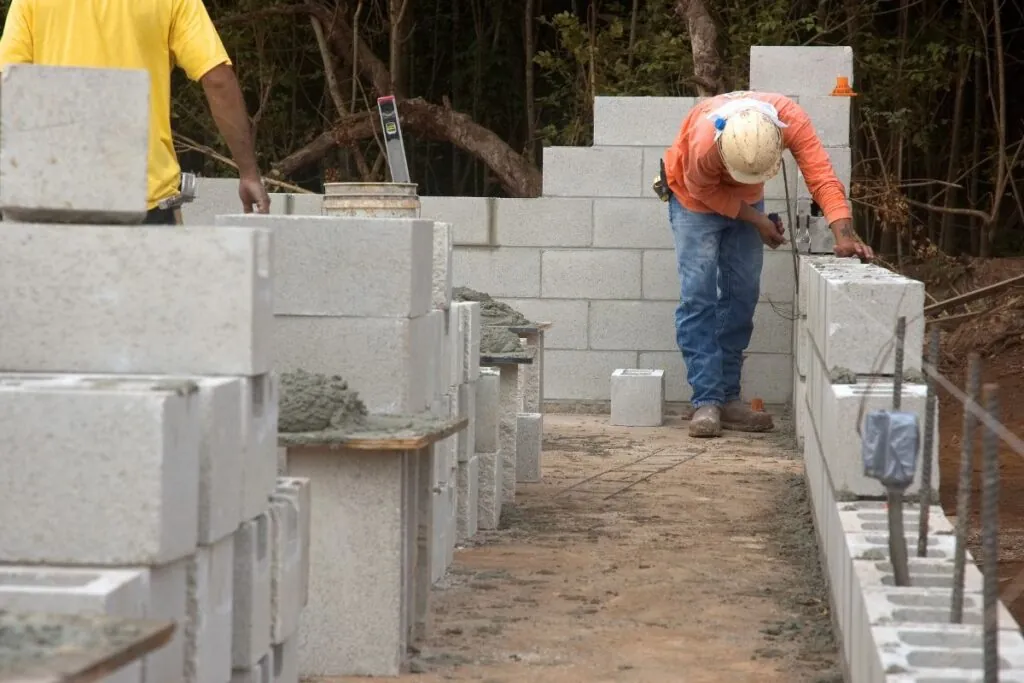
(772, 232)
(253, 195)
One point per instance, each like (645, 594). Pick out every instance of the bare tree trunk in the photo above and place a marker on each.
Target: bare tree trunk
(948, 236)
(707, 64)
(398, 20)
(529, 49)
(633, 16)
(976, 225)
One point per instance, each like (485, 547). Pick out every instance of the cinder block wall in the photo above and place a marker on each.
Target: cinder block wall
(595, 255)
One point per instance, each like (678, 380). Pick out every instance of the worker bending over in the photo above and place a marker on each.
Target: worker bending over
(727, 148)
(152, 35)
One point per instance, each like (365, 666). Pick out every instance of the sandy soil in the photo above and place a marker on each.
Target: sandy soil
(644, 556)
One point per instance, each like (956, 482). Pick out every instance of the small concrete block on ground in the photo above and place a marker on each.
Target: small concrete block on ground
(638, 397)
(799, 70)
(639, 121)
(210, 606)
(441, 288)
(66, 155)
(324, 265)
(470, 217)
(168, 600)
(465, 440)
(251, 615)
(286, 662)
(489, 494)
(261, 672)
(298, 491)
(259, 454)
(529, 446)
(130, 494)
(108, 300)
(594, 172)
(468, 498)
(285, 569)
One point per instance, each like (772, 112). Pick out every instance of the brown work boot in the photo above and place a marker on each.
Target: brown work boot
(738, 416)
(706, 422)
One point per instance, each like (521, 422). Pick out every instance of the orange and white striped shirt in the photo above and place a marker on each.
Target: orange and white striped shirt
(698, 177)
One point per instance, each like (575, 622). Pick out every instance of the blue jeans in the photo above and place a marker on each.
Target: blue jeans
(719, 262)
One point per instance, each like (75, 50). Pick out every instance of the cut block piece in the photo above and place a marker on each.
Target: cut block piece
(285, 569)
(529, 445)
(325, 265)
(489, 492)
(210, 607)
(468, 498)
(250, 637)
(141, 300)
(113, 481)
(66, 155)
(638, 397)
(441, 290)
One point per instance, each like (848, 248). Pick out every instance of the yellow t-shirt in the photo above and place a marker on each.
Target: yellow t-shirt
(121, 34)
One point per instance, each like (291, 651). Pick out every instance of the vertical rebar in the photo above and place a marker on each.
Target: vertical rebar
(963, 497)
(929, 442)
(990, 534)
(897, 535)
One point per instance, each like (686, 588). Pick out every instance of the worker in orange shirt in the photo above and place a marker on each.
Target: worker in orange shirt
(727, 148)
(153, 35)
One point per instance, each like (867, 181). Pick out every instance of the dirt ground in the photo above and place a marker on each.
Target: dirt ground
(643, 556)
(998, 335)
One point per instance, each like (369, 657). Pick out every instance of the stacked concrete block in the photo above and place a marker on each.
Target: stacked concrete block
(638, 397)
(488, 448)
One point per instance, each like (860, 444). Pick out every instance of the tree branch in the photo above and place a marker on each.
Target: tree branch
(707, 64)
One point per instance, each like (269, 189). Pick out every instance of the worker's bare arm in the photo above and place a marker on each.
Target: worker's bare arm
(227, 104)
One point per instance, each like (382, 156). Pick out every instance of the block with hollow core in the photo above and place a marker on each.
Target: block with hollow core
(66, 155)
(529, 446)
(935, 650)
(210, 607)
(89, 298)
(488, 411)
(510, 406)
(250, 637)
(370, 545)
(489, 490)
(468, 498)
(638, 397)
(441, 290)
(63, 590)
(130, 496)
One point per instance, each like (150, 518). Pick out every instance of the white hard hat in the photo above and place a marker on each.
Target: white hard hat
(751, 146)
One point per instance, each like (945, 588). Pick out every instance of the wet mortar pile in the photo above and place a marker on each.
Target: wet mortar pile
(495, 319)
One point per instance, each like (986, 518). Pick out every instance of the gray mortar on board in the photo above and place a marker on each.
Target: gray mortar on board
(381, 427)
(492, 313)
(498, 341)
(312, 402)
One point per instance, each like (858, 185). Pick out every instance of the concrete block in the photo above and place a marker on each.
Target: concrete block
(90, 299)
(441, 292)
(931, 650)
(293, 203)
(502, 272)
(221, 453)
(297, 490)
(583, 375)
(822, 241)
(843, 404)
(545, 222)
(208, 631)
(633, 325)
(591, 274)
(487, 411)
(869, 516)
(671, 362)
(168, 601)
(799, 70)
(531, 376)
(261, 672)
(841, 159)
(440, 366)
(638, 398)
(800, 415)
(286, 662)
(639, 121)
(633, 223)
(469, 332)
(768, 376)
(259, 454)
(570, 318)
(215, 196)
(471, 218)
(455, 342)
(773, 333)
(917, 607)
(285, 568)
(327, 266)
(56, 122)
(510, 406)
(660, 275)
(593, 172)
(529, 446)
(468, 498)
(387, 360)
(113, 592)
(776, 188)
(489, 493)
(830, 117)
(250, 638)
(466, 439)
(875, 546)
(924, 572)
(801, 348)
(131, 493)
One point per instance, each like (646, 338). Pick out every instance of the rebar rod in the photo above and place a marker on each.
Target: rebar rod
(894, 496)
(990, 535)
(929, 442)
(963, 497)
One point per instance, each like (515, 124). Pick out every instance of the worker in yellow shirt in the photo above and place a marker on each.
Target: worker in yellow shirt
(144, 34)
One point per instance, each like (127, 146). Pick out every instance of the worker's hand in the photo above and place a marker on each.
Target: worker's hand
(253, 195)
(848, 244)
(772, 233)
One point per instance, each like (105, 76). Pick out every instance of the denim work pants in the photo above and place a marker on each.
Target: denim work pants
(719, 262)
